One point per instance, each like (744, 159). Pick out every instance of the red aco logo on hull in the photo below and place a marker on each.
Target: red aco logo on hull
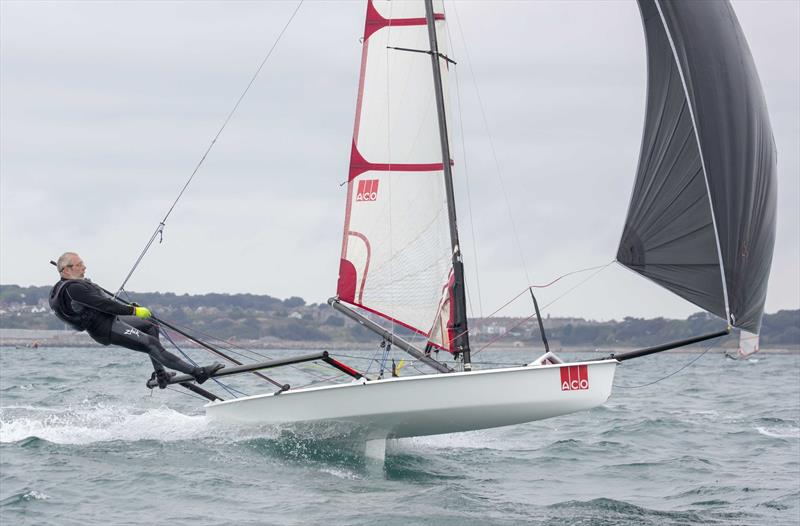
(367, 190)
(574, 377)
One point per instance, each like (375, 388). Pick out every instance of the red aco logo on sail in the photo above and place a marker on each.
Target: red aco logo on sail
(367, 190)
(574, 377)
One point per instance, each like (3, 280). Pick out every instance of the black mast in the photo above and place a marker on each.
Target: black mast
(461, 342)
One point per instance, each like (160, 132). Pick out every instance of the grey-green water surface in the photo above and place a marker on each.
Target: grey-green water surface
(82, 442)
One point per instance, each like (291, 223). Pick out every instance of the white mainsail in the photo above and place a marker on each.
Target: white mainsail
(396, 252)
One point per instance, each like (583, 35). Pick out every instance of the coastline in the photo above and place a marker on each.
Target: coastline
(35, 338)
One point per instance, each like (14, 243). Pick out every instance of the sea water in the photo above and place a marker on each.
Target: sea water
(83, 442)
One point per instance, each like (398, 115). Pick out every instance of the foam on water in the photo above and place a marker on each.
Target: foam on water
(100, 423)
(484, 439)
(792, 432)
(97, 422)
(24, 496)
(340, 473)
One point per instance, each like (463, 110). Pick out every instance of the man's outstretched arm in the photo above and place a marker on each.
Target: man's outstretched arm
(89, 296)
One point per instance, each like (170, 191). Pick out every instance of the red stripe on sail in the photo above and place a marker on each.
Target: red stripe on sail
(346, 287)
(363, 238)
(356, 127)
(347, 211)
(359, 165)
(451, 316)
(360, 98)
(447, 335)
(376, 22)
(387, 317)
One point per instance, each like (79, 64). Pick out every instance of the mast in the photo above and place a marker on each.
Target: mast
(461, 343)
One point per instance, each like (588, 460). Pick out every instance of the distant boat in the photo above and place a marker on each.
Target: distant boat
(700, 223)
(748, 346)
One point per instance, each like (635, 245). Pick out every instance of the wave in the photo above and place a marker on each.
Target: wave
(784, 502)
(22, 387)
(620, 512)
(617, 511)
(24, 496)
(703, 491)
(791, 432)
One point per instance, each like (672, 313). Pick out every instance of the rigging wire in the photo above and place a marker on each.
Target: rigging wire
(669, 375)
(498, 337)
(322, 381)
(180, 391)
(491, 146)
(372, 360)
(167, 336)
(229, 347)
(224, 344)
(159, 231)
(526, 289)
(601, 269)
(387, 349)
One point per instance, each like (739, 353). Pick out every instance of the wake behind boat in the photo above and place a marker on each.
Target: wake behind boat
(700, 223)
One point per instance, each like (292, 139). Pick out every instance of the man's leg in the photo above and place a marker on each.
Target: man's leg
(126, 335)
(149, 327)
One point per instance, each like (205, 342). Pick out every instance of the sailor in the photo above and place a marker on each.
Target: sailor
(84, 306)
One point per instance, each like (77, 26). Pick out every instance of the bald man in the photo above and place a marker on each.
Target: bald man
(84, 306)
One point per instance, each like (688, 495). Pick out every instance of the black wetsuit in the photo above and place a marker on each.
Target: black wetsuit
(86, 306)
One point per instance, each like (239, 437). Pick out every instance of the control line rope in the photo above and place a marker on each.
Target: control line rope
(668, 376)
(159, 231)
(597, 270)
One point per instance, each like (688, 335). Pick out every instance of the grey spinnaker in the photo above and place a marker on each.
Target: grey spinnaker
(701, 221)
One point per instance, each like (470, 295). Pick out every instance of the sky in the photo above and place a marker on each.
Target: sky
(107, 107)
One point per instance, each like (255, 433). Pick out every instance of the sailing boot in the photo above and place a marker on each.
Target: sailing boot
(201, 374)
(163, 378)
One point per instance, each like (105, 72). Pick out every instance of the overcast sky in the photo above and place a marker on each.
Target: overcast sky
(106, 108)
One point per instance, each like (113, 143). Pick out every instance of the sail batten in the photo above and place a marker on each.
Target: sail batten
(701, 221)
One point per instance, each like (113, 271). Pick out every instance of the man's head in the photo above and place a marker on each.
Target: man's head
(70, 266)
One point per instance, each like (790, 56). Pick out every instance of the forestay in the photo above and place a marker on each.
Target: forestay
(701, 221)
(396, 249)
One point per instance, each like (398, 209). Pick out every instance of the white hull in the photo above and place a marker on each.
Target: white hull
(429, 405)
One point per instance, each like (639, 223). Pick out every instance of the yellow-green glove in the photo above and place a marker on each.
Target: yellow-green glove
(141, 312)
